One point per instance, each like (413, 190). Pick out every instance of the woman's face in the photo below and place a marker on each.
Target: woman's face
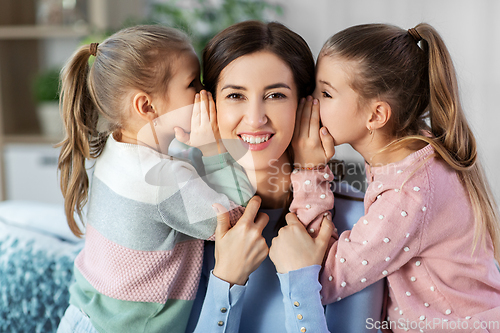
(256, 99)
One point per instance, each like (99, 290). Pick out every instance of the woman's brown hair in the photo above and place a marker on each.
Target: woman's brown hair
(412, 70)
(133, 58)
(253, 36)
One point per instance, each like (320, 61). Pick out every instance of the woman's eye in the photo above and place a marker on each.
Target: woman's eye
(276, 96)
(326, 94)
(234, 96)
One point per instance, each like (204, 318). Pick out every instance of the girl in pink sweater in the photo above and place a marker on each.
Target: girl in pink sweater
(431, 225)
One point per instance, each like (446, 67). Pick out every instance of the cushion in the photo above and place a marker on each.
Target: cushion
(36, 269)
(43, 217)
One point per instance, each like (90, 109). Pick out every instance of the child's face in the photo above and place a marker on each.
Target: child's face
(176, 107)
(256, 106)
(339, 108)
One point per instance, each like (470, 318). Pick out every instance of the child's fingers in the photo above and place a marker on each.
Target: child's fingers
(212, 115)
(195, 117)
(204, 118)
(212, 112)
(325, 231)
(306, 117)
(327, 142)
(314, 122)
(298, 117)
(291, 219)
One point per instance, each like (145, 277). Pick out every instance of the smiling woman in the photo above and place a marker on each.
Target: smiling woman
(256, 104)
(257, 73)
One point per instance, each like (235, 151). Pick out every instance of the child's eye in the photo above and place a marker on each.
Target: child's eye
(191, 85)
(326, 94)
(276, 96)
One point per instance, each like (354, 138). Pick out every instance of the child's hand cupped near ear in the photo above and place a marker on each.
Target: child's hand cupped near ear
(204, 129)
(312, 147)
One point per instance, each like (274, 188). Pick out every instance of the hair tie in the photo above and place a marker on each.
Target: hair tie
(414, 33)
(93, 49)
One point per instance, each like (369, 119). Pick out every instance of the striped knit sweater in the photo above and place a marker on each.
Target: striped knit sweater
(147, 217)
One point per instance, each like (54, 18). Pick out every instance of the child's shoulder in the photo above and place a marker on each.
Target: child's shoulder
(395, 174)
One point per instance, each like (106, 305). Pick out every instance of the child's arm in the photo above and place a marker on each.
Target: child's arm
(380, 243)
(222, 173)
(311, 177)
(312, 197)
(185, 200)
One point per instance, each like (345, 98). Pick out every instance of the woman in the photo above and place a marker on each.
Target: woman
(257, 73)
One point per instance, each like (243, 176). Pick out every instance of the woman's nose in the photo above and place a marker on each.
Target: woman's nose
(256, 115)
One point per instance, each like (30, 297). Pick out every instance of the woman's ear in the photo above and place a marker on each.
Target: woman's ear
(142, 106)
(380, 114)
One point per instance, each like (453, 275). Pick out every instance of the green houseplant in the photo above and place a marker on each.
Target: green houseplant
(200, 19)
(46, 94)
(46, 85)
(203, 19)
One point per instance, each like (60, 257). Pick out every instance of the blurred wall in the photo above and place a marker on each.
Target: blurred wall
(470, 29)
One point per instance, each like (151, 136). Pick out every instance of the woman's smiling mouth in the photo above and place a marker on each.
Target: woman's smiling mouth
(256, 141)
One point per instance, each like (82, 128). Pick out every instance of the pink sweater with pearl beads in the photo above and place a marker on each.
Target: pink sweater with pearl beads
(417, 231)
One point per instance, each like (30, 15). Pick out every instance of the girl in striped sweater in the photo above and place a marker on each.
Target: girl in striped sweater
(147, 212)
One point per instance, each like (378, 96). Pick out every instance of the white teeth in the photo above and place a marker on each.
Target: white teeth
(255, 139)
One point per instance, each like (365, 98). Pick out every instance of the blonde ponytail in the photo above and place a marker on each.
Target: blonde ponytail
(82, 140)
(140, 58)
(454, 140)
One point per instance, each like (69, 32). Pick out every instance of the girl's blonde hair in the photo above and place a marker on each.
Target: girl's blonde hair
(412, 70)
(140, 58)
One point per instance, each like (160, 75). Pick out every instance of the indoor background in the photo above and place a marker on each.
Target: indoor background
(471, 30)
(36, 38)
